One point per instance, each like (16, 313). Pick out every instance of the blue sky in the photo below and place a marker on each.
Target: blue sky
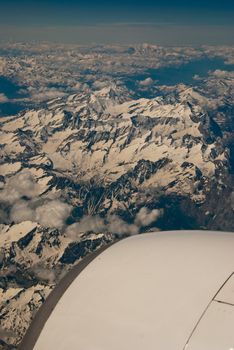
(188, 22)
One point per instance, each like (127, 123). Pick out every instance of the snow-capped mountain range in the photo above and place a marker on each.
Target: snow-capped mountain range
(167, 144)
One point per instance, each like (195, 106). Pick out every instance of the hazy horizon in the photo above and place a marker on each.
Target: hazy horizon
(157, 22)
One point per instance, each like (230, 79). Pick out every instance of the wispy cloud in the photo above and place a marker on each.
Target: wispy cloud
(3, 98)
(114, 224)
(21, 193)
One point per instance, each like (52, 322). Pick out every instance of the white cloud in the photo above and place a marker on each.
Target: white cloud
(145, 216)
(47, 212)
(47, 94)
(88, 223)
(21, 212)
(3, 98)
(114, 224)
(44, 274)
(91, 223)
(146, 82)
(73, 232)
(52, 214)
(19, 185)
(196, 77)
(222, 74)
(118, 226)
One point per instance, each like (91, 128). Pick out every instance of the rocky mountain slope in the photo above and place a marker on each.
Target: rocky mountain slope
(33, 260)
(101, 137)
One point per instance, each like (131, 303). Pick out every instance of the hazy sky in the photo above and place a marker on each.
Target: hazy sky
(156, 21)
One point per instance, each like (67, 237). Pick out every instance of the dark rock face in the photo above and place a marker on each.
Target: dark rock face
(76, 251)
(5, 346)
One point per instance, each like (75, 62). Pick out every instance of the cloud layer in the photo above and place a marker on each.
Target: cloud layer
(20, 185)
(114, 224)
(22, 193)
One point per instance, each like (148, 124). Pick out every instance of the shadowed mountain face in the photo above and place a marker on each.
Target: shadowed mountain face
(89, 164)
